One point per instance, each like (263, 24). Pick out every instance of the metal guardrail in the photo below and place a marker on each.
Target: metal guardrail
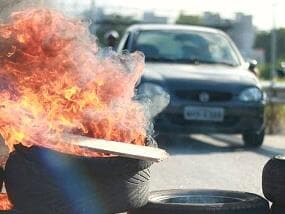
(275, 92)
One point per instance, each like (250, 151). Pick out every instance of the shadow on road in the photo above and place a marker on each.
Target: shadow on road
(265, 150)
(206, 144)
(178, 144)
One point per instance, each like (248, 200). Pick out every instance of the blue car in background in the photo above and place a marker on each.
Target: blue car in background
(211, 88)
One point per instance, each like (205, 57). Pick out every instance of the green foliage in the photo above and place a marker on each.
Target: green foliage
(263, 41)
(189, 19)
(275, 118)
(115, 22)
(264, 71)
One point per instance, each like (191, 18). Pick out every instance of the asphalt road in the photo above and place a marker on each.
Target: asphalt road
(215, 162)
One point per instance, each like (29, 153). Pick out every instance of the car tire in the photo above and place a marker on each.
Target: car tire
(203, 202)
(273, 180)
(253, 139)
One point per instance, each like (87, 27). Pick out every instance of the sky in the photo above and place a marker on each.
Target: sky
(262, 10)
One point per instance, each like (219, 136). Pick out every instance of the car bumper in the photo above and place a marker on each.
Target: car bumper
(238, 118)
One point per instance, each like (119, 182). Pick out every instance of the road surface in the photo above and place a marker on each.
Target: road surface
(216, 162)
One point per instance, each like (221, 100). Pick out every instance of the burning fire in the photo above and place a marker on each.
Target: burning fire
(5, 203)
(54, 79)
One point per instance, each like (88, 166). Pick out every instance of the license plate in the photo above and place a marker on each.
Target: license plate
(204, 113)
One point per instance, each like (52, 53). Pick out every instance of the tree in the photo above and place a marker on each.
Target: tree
(263, 41)
(110, 22)
(8, 6)
(115, 22)
(188, 19)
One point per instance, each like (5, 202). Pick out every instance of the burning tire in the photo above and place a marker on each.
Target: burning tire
(1, 178)
(203, 202)
(273, 180)
(42, 181)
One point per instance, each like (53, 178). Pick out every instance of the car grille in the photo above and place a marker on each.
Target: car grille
(179, 119)
(214, 96)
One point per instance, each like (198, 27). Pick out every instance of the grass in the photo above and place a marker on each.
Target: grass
(275, 118)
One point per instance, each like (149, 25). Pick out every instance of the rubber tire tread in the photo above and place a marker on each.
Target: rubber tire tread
(277, 209)
(104, 166)
(1, 177)
(273, 181)
(251, 204)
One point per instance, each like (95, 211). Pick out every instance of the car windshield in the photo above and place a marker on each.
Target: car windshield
(195, 47)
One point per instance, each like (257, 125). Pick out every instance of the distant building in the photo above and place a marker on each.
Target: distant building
(7, 7)
(243, 33)
(150, 17)
(215, 20)
(211, 18)
(97, 16)
(71, 7)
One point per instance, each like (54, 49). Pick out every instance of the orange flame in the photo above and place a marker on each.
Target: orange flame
(54, 79)
(5, 203)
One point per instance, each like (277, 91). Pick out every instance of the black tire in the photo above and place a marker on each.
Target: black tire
(115, 165)
(273, 180)
(253, 139)
(1, 178)
(42, 181)
(203, 202)
(277, 209)
(9, 212)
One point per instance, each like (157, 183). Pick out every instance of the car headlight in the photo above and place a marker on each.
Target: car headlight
(155, 97)
(251, 95)
(150, 89)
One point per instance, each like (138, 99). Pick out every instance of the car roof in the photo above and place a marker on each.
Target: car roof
(139, 27)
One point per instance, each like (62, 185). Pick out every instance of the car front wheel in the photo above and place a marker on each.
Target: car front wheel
(253, 139)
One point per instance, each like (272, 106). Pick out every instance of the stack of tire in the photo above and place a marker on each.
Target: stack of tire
(1, 177)
(273, 183)
(1, 185)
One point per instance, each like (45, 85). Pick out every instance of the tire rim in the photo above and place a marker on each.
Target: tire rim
(280, 157)
(196, 199)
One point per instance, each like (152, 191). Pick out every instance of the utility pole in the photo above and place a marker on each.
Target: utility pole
(92, 5)
(273, 44)
(273, 61)
(93, 16)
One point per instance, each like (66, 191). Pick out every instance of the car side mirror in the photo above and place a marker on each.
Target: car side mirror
(111, 38)
(281, 71)
(252, 67)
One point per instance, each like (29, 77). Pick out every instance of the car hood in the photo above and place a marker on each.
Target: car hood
(185, 75)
